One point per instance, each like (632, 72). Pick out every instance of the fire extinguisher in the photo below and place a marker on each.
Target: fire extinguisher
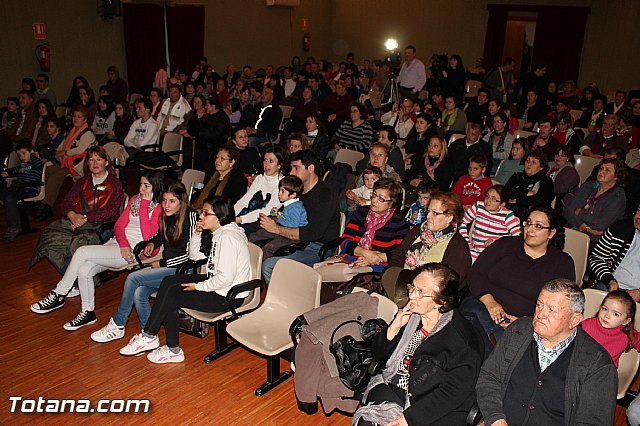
(306, 41)
(43, 55)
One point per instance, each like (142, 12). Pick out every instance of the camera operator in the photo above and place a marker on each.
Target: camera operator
(412, 75)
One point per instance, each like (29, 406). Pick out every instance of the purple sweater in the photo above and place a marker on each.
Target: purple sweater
(513, 278)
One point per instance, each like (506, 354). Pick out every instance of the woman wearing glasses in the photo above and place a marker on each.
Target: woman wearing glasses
(436, 240)
(373, 233)
(228, 265)
(507, 277)
(432, 358)
(227, 180)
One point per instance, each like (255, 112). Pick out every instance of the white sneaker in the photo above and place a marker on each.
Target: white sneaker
(109, 332)
(163, 355)
(139, 344)
(74, 292)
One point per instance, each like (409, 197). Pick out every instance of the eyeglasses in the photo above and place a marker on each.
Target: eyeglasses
(205, 213)
(435, 213)
(379, 197)
(493, 199)
(412, 289)
(538, 226)
(223, 159)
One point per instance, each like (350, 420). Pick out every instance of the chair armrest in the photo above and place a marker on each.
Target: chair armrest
(191, 264)
(240, 288)
(103, 228)
(150, 147)
(290, 249)
(329, 246)
(137, 251)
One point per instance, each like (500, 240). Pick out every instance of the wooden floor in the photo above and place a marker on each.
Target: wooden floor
(39, 358)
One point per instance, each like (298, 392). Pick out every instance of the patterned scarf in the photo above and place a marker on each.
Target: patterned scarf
(431, 169)
(422, 245)
(135, 206)
(373, 223)
(403, 368)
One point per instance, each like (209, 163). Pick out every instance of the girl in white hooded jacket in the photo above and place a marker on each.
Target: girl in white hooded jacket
(228, 264)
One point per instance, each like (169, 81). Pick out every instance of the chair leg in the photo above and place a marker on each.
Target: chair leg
(274, 376)
(25, 224)
(222, 345)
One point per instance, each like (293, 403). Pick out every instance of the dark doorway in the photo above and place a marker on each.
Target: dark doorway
(557, 39)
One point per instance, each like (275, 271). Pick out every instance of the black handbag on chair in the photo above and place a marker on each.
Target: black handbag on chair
(354, 358)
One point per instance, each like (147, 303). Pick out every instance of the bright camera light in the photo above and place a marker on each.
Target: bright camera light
(391, 44)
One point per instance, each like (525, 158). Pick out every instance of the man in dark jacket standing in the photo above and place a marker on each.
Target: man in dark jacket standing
(547, 370)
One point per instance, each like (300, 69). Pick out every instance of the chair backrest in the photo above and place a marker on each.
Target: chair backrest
(455, 137)
(40, 195)
(12, 159)
(293, 290)
(255, 259)
(125, 201)
(584, 166)
(61, 111)
(255, 256)
(349, 157)
(472, 88)
(576, 113)
(189, 177)
(343, 222)
(576, 245)
(172, 142)
(134, 97)
(499, 167)
(592, 301)
(386, 308)
(522, 134)
(286, 111)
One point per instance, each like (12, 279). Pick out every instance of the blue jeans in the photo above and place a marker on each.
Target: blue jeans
(10, 196)
(633, 412)
(308, 256)
(472, 305)
(137, 289)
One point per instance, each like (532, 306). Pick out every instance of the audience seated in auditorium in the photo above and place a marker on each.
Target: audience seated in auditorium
(462, 149)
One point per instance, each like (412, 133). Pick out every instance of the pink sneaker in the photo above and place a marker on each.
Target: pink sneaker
(163, 355)
(139, 344)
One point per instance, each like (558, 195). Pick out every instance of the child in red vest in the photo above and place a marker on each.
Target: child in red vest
(471, 187)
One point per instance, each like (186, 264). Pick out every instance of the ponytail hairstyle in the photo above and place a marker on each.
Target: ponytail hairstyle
(179, 191)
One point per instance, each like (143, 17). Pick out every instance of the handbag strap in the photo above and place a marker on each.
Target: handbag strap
(339, 327)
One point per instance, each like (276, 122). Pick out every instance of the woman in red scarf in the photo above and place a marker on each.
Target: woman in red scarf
(69, 154)
(372, 234)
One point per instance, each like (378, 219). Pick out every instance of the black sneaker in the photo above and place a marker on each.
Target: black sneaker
(50, 303)
(83, 318)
